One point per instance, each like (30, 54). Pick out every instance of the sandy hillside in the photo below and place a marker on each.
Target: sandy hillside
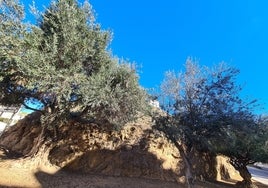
(87, 156)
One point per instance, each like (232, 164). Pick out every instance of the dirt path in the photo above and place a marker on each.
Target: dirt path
(33, 173)
(15, 174)
(18, 173)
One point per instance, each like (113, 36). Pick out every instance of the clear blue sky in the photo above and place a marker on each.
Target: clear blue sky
(160, 35)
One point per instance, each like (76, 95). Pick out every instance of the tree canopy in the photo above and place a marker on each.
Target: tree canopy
(208, 113)
(64, 62)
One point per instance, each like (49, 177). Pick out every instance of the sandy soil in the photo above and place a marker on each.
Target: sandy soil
(33, 173)
(16, 177)
(28, 173)
(18, 173)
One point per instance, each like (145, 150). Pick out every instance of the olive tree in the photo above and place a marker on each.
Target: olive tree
(64, 63)
(208, 114)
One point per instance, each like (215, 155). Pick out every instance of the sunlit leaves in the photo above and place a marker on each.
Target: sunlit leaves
(64, 62)
(209, 111)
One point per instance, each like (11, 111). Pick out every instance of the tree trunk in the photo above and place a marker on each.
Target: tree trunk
(188, 172)
(38, 144)
(162, 123)
(244, 173)
(241, 167)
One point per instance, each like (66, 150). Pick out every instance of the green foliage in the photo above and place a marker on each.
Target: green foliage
(63, 62)
(5, 120)
(208, 113)
(11, 32)
(114, 94)
(246, 141)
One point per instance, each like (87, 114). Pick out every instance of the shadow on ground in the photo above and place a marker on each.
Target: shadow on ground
(68, 179)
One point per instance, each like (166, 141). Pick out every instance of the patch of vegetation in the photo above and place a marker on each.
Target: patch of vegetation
(5, 120)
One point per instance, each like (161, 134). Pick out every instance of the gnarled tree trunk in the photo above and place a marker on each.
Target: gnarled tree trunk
(188, 172)
(161, 123)
(241, 166)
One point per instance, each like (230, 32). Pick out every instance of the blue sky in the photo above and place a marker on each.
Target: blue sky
(160, 35)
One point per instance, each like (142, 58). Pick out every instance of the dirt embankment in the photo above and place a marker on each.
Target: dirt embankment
(87, 155)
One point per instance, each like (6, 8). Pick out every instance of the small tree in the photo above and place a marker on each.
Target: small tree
(63, 62)
(207, 111)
